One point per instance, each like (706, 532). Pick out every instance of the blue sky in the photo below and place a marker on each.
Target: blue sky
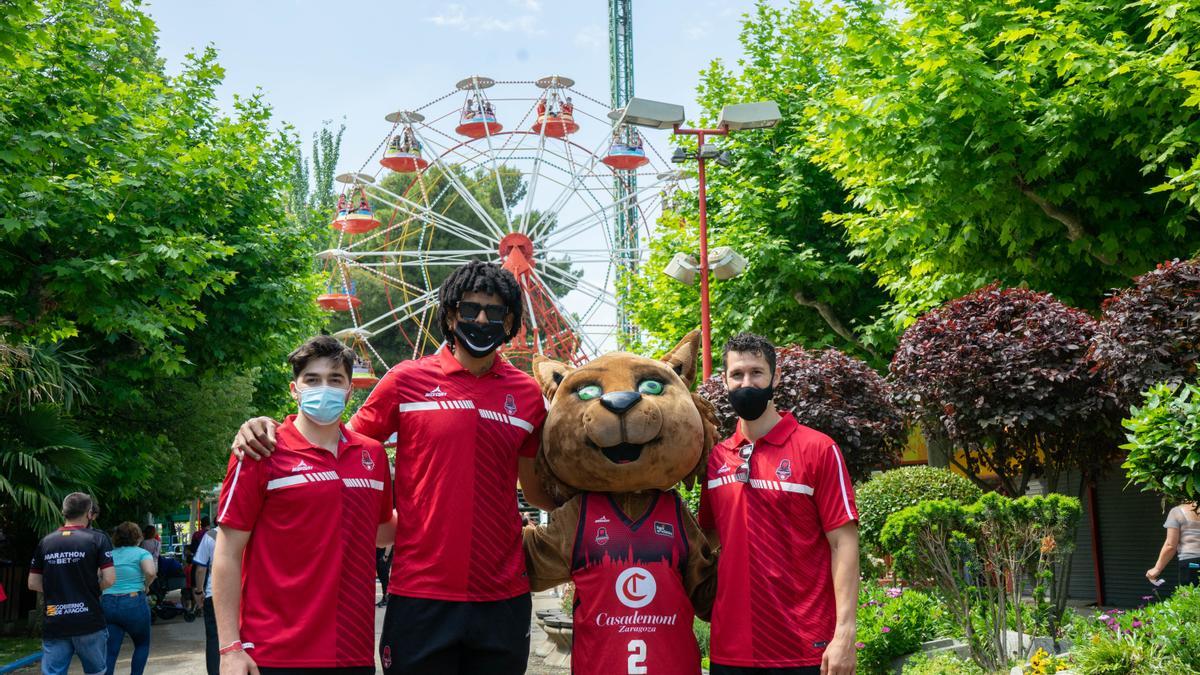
(358, 60)
(355, 61)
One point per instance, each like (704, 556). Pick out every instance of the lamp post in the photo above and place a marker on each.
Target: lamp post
(737, 117)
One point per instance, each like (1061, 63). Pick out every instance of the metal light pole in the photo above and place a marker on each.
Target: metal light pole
(705, 311)
(737, 117)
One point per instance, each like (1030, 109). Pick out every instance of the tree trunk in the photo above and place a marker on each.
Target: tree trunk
(1075, 229)
(834, 322)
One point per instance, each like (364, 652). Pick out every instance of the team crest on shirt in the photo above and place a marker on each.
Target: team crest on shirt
(510, 405)
(367, 462)
(784, 471)
(602, 536)
(386, 656)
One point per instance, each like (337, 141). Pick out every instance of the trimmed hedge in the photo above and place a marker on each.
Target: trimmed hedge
(897, 489)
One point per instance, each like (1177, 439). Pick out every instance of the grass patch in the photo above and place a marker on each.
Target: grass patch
(13, 648)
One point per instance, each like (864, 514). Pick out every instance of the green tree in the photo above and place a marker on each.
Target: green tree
(803, 284)
(145, 226)
(1050, 144)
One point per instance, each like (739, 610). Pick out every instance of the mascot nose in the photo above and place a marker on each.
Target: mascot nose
(620, 401)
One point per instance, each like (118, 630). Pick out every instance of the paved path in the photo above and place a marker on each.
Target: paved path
(177, 647)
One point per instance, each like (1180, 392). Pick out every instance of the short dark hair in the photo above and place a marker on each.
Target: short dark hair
(749, 343)
(149, 531)
(479, 277)
(126, 534)
(204, 521)
(321, 347)
(77, 505)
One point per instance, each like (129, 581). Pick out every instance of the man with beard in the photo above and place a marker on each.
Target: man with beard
(779, 501)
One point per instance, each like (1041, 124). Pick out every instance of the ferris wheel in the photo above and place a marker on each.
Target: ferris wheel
(533, 175)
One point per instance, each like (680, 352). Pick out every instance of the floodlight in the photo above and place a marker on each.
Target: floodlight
(757, 115)
(725, 159)
(682, 268)
(680, 156)
(725, 262)
(709, 151)
(643, 112)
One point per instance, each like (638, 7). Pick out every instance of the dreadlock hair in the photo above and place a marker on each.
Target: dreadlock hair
(479, 277)
(749, 343)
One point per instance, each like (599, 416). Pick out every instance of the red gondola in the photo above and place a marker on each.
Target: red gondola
(625, 157)
(363, 376)
(354, 220)
(478, 125)
(403, 154)
(338, 302)
(557, 121)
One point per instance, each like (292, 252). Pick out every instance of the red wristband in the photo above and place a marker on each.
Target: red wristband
(231, 647)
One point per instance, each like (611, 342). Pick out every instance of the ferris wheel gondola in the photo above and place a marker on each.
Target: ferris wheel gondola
(541, 200)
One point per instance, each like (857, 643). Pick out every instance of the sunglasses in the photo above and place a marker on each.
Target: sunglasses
(743, 472)
(469, 311)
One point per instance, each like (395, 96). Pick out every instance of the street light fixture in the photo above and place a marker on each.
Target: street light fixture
(736, 117)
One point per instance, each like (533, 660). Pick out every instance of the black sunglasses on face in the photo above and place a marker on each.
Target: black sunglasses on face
(469, 311)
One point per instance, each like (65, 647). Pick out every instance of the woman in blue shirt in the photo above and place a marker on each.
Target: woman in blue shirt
(124, 603)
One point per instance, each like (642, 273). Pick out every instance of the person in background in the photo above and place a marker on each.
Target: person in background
(151, 542)
(203, 593)
(1183, 540)
(124, 603)
(70, 567)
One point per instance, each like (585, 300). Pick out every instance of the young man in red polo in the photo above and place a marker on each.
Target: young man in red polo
(293, 569)
(779, 501)
(467, 426)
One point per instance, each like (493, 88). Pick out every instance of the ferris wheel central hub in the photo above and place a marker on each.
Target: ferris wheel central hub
(519, 242)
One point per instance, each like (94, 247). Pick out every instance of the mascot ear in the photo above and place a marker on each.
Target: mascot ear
(682, 358)
(549, 374)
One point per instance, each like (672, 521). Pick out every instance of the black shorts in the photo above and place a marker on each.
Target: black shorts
(1189, 572)
(718, 669)
(354, 670)
(443, 637)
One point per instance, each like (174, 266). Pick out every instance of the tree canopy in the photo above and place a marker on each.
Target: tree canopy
(145, 230)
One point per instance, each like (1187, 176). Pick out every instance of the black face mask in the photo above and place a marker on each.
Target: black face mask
(751, 402)
(480, 339)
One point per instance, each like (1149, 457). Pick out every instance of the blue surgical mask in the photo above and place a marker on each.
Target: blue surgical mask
(322, 405)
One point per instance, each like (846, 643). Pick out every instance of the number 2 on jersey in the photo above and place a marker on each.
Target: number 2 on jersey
(637, 657)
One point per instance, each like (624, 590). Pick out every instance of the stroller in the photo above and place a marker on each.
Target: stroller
(170, 577)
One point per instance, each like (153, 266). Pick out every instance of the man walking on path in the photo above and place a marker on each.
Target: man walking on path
(779, 502)
(468, 425)
(71, 566)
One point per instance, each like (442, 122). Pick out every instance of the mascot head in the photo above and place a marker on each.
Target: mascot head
(624, 423)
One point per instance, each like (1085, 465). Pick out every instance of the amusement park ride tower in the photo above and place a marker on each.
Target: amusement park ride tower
(625, 221)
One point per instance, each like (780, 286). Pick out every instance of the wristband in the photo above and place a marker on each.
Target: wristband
(235, 646)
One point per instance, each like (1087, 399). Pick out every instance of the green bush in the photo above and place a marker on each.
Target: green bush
(1164, 442)
(703, 630)
(942, 664)
(893, 622)
(888, 492)
(1156, 640)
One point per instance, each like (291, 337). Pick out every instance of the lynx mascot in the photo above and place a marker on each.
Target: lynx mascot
(621, 431)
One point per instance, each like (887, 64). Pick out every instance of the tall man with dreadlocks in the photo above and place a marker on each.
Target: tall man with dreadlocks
(468, 425)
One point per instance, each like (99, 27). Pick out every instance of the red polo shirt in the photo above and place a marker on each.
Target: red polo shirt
(310, 561)
(458, 535)
(775, 606)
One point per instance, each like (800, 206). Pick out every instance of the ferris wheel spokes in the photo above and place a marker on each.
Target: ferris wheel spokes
(452, 177)
(567, 232)
(429, 216)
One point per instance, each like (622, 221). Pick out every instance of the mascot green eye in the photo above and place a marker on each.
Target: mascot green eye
(651, 387)
(589, 392)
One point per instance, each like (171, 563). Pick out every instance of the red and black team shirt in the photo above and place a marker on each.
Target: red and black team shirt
(632, 613)
(458, 535)
(775, 606)
(308, 572)
(68, 560)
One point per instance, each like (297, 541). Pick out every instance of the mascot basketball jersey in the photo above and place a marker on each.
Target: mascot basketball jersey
(632, 613)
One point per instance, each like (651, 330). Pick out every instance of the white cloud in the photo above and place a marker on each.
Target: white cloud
(528, 5)
(591, 37)
(456, 17)
(697, 30)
